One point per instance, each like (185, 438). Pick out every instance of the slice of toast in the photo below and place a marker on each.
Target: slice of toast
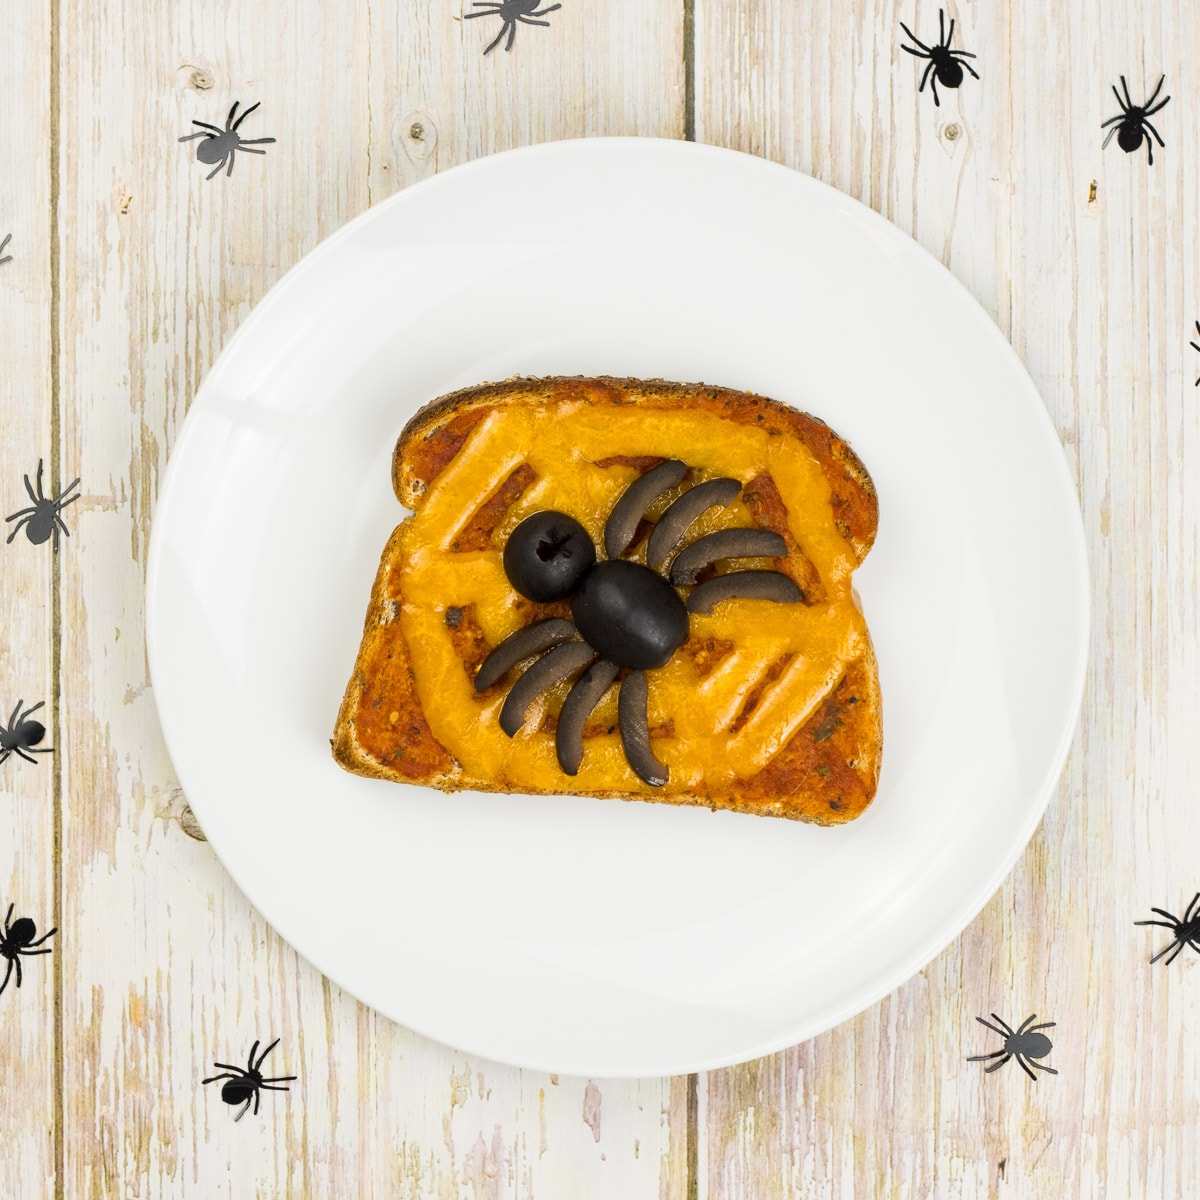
(767, 707)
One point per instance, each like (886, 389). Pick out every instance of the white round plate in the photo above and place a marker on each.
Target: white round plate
(586, 936)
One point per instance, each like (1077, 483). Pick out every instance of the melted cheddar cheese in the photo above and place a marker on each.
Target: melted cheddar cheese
(713, 727)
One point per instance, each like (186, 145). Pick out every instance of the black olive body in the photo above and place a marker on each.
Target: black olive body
(630, 614)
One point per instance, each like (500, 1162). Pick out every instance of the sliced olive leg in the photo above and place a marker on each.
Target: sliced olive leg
(553, 667)
(577, 707)
(526, 642)
(725, 543)
(743, 585)
(632, 708)
(674, 523)
(631, 505)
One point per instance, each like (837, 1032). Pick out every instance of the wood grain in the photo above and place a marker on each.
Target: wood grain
(1086, 258)
(27, 827)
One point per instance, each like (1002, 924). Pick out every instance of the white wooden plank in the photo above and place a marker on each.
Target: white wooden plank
(161, 267)
(1092, 288)
(27, 791)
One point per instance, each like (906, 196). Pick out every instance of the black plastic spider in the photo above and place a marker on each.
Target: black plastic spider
(1133, 119)
(626, 615)
(17, 940)
(510, 12)
(1196, 346)
(220, 144)
(43, 519)
(247, 1085)
(7, 257)
(943, 62)
(1024, 1044)
(1185, 932)
(23, 734)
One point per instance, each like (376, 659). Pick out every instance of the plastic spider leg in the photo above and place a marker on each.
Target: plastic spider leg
(253, 142)
(245, 1108)
(1026, 1023)
(253, 1051)
(6, 975)
(27, 757)
(924, 78)
(223, 1075)
(967, 66)
(1164, 924)
(1166, 950)
(537, 12)
(249, 150)
(527, 21)
(271, 1084)
(43, 938)
(1128, 98)
(262, 1057)
(947, 38)
(1005, 1032)
(503, 30)
(937, 103)
(1124, 107)
(16, 962)
(1156, 134)
(20, 525)
(232, 157)
(984, 1057)
(1161, 81)
(1179, 945)
(486, 11)
(46, 951)
(7, 918)
(4, 755)
(1025, 1067)
(229, 119)
(1158, 107)
(1187, 916)
(916, 39)
(216, 170)
(230, 1067)
(1042, 1067)
(190, 136)
(512, 33)
(996, 1066)
(1150, 151)
(1043, 1025)
(245, 114)
(1008, 1031)
(1108, 139)
(257, 1098)
(1112, 121)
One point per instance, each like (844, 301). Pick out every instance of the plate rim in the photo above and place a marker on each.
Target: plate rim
(921, 956)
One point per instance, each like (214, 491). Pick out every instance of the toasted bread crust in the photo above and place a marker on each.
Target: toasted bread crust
(828, 769)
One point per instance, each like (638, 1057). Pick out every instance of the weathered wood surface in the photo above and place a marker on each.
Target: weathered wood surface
(129, 274)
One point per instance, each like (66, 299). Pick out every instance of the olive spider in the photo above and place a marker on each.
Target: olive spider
(22, 734)
(7, 257)
(625, 615)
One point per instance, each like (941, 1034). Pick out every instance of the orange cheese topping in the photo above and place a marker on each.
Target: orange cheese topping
(726, 724)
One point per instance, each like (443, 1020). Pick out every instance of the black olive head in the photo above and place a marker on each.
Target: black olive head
(630, 614)
(547, 556)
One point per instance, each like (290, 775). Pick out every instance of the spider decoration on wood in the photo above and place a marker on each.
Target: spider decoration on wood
(624, 615)
(1024, 1044)
(7, 257)
(242, 1086)
(1196, 346)
(18, 940)
(22, 734)
(1133, 119)
(1184, 933)
(43, 519)
(943, 61)
(510, 12)
(220, 145)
